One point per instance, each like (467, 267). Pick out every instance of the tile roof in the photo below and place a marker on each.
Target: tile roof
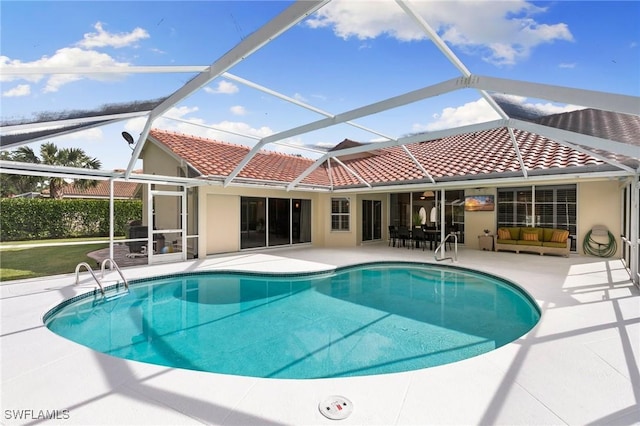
(483, 154)
(218, 159)
(122, 190)
(594, 122)
(614, 126)
(487, 154)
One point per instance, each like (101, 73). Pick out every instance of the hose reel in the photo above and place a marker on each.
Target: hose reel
(596, 246)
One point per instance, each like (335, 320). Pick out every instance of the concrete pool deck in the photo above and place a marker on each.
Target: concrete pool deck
(578, 366)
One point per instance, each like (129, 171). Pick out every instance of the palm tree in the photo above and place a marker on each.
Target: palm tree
(11, 184)
(70, 157)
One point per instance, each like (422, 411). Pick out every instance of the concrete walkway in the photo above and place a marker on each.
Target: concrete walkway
(578, 366)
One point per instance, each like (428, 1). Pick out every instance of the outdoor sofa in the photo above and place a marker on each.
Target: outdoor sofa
(535, 240)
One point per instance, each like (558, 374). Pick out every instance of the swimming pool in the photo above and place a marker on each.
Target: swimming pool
(359, 320)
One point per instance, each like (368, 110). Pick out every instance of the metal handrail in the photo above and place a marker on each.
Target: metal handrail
(114, 265)
(85, 264)
(455, 248)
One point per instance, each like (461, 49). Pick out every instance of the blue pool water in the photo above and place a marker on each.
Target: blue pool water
(361, 320)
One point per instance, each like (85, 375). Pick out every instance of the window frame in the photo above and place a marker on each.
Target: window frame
(341, 216)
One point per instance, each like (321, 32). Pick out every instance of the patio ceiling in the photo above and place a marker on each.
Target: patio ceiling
(593, 144)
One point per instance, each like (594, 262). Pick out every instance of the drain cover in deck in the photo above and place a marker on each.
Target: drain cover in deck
(336, 407)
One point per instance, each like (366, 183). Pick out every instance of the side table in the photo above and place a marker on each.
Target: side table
(485, 242)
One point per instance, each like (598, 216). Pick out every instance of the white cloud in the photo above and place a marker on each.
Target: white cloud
(232, 131)
(480, 30)
(88, 135)
(103, 38)
(238, 110)
(567, 65)
(199, 127)
(298, 97)
(480, 111)
(470, 113)
(75, 57)
(224, 87)
(19, 90)
(80, 55)
(64, 58)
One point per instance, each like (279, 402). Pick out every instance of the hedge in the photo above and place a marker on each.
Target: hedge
(44, 218)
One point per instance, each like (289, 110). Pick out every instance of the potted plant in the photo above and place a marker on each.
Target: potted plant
(417, 220)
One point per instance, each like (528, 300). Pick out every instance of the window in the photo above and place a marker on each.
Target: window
(542, 206)
(340, 214)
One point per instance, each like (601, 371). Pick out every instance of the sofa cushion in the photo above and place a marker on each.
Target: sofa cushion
(507, 241)
(552, 244)
(530, 236)
(515, 232)
(529, 243)
(504, 234)
(559, 236)
(547, 233)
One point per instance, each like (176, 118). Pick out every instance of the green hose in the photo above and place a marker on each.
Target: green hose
(594, 248)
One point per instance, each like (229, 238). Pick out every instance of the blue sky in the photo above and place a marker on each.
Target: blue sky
(346, 55)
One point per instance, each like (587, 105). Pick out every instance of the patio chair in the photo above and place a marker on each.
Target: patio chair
(403, 235)
(419, 238)
(393, 235)
(137, 248)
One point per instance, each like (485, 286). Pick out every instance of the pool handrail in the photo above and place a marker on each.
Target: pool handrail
(113, 265)
(455, 248)
(86, 265)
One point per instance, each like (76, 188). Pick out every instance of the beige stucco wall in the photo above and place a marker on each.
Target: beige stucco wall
(599, 203)
(158, 162)
(337, 238)
(220, 215)
(476, 222)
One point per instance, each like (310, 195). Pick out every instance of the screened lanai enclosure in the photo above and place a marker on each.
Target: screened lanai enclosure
(323, 193)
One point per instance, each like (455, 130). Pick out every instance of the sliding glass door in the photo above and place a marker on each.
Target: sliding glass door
(270, 222)
(371, 220)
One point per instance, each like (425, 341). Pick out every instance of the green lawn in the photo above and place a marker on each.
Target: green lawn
(42, 261)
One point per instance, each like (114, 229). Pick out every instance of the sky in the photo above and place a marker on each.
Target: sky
(346, 55)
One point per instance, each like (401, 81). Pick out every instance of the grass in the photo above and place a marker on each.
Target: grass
(32, 262)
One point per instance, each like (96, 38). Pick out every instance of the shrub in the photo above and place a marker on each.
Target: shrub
(43, 218)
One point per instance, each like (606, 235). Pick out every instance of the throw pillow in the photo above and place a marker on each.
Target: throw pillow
(504, 234)
(530, 236)
(559, 236)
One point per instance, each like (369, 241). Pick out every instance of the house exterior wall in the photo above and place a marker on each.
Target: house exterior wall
(220, 215)
(156, 161)
(476, 222)
(219, 210)
(599, 203)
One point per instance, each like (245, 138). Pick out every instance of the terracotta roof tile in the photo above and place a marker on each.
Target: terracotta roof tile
(487, 153)
(120, 190)
(218, 159)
